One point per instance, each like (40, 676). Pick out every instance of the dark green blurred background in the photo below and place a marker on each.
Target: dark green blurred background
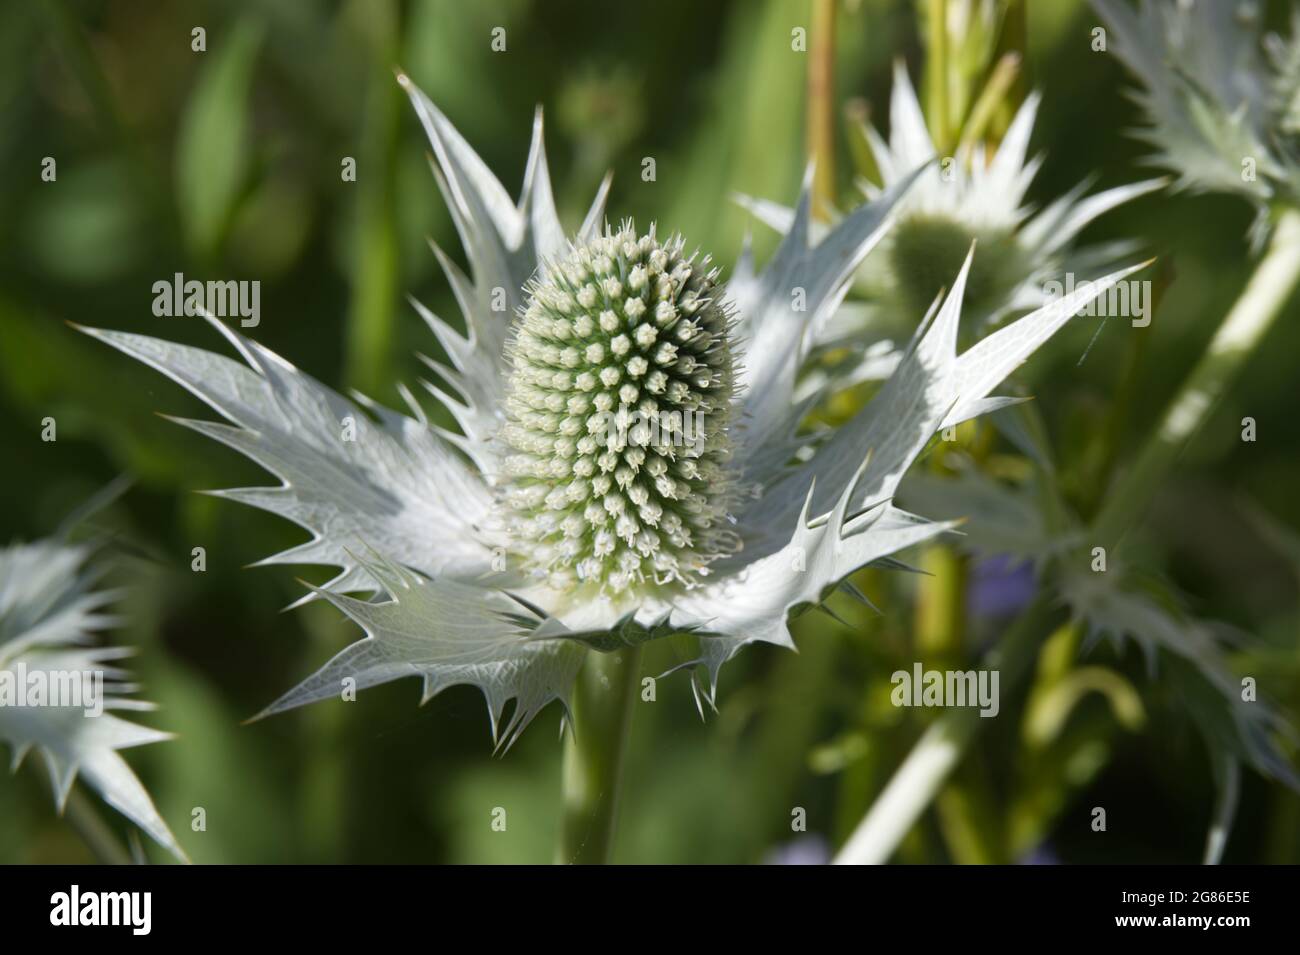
(227, 164)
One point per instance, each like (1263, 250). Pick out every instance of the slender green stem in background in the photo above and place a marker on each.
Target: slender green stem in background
(941, 605)
(375, 266)
(821, 107)
(1013, 39)
(991, 99)
(1125, 396)
(85, 820)
(1227, 775)
(324, 784)
(857, 120)
(967, 817)
(1237, 338)
(962, 806)
(1063, 749)
(936, 79)
(940, 749)
(593, 754)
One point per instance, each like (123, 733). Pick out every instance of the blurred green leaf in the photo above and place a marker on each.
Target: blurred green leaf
(1047, 717)
(747, 140)
(212, 151)
(85, 228)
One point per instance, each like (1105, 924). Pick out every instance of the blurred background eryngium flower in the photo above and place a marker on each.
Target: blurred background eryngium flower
(50, 608)
(1221, 93)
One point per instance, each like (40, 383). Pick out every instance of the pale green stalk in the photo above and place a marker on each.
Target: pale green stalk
(81, 814)
(373, 307)
(593, 754)
(821, 107)
(1237, 338)
(993, 98)
(936, 65)
(1012, 40)
(938, 751)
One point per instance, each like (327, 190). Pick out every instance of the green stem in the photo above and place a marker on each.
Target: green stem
(857, 120)
(992, 99)
(1130, 378)
(593, 754)
(963, 810)
(964, 806)
(821, 107)
(376, 264)
(1237, 338)
(941, 605)
(936, 80)
(940, 749)
(967, 817)
(1013, 40)
(86, 821)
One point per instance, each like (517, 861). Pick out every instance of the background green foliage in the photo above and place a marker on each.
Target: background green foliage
(227, 164)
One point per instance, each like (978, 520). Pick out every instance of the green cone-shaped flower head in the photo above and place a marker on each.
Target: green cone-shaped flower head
(619, 395)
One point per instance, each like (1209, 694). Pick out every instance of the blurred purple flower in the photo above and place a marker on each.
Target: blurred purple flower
(1042, 854)
(1000, 586)
(806, 850)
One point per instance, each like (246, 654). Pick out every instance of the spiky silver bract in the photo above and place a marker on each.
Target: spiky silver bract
(976, 196)
(418, 517)
(49, 609)
(1221, 97)
(1031, 522)
(619, 398)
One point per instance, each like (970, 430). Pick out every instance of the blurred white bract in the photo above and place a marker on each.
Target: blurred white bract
(1223, 98)
(49, 609)
(971, 196)
(501, 555)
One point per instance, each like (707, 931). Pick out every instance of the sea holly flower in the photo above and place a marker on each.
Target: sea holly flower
(976, 195)
(979, 195)
(630, 462)
(58, 693)
(1224, 106)
(624, 338)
